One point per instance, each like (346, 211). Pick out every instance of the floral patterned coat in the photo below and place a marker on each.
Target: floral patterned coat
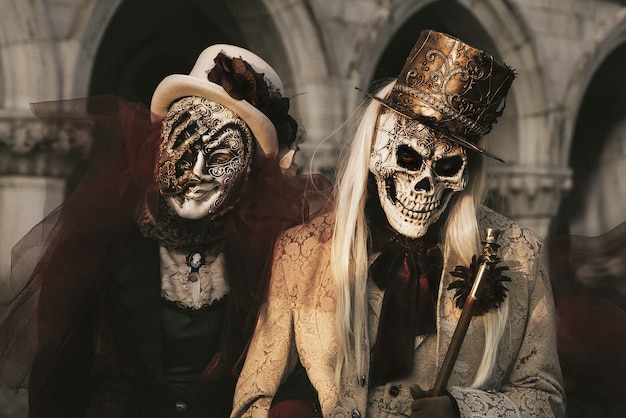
(298, 320)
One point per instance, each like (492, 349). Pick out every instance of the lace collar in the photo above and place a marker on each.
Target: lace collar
(192, 288)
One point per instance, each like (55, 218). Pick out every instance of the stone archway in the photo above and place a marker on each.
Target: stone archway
(593, 138)
(137, 47)
(588, 259)
(140, 46)
(131, 60)
(598, 153)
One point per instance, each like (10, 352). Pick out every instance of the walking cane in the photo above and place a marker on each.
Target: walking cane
(488, 257)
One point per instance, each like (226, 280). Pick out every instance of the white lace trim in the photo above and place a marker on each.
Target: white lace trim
(212, 284)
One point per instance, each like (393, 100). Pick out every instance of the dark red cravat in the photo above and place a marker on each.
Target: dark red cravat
(409, 271)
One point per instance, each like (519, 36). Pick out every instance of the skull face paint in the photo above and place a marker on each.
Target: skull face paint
(205, 155)
(417, 171)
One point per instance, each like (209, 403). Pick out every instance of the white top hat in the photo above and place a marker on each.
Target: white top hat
(176, 86)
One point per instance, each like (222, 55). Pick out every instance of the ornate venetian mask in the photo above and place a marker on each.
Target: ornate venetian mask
(204, 157)
(417, 171)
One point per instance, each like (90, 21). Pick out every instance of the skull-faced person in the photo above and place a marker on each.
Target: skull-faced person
(368, 296)
(151, 276)
(417, 171)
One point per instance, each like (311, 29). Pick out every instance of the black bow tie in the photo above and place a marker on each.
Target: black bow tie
(409, 271)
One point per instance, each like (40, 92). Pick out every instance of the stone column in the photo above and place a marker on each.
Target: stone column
(530, 195)
(24, 201)
(35, 160)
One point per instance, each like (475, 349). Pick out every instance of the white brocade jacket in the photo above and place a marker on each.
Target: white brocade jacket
(298, 321)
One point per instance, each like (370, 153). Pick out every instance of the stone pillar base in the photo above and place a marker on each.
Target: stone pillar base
(529, 195)
(24, 201)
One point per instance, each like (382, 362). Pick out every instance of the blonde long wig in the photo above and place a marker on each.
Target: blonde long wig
(349, 256)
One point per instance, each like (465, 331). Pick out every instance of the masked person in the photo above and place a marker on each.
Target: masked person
(147, 289)
(367, 297)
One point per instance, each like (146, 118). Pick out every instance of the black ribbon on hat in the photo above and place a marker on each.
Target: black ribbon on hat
(408, 270)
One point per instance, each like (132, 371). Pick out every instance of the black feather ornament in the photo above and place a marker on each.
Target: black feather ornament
(493, 291)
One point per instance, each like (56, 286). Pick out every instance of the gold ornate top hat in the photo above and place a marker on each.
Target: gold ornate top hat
(451, 87)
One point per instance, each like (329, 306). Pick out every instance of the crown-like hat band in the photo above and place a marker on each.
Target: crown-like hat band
(473, 127)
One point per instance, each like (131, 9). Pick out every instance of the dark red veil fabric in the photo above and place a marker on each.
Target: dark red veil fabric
(73, 239)
(64, 254)
(588, 278)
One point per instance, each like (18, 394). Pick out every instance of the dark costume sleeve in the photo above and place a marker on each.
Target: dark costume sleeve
(61, 390)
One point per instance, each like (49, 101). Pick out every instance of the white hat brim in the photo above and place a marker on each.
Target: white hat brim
(176, 86)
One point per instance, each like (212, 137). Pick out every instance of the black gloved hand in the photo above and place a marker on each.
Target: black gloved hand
(427, 406)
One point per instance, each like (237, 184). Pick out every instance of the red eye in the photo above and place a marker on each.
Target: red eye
(448, 167)
(408, 158)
